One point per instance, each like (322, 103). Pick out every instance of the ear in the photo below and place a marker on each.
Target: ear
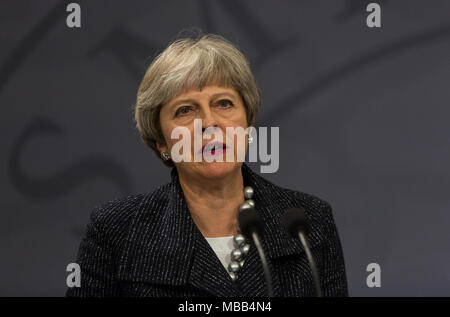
(161, 148)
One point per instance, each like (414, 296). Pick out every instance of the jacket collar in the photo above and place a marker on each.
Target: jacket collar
(164, 246)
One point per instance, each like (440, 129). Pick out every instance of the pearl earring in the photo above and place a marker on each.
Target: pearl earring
(165, 156)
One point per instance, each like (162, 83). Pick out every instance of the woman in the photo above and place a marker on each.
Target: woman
(182, 239)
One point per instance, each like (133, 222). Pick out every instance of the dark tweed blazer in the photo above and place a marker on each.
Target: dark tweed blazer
(148, 245)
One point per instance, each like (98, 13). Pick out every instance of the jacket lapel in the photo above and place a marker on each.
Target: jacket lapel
(208, 273)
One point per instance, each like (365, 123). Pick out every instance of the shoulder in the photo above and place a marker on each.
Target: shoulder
(278, 194)
(317, 209)
(309, 201)
(321, 223)
(112, 218)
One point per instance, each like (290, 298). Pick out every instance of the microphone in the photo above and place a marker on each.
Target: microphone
(251, 227)
(296, 225)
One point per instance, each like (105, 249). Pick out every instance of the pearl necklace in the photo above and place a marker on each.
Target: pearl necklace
(241, 244)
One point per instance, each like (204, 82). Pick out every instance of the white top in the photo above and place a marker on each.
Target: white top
(222, 246)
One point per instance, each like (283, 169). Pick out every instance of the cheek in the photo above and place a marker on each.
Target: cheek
(235, 121)
(243, 118)
(165, 125)
(239, 139)
(238, 119)
(189, 135)
(167, 131)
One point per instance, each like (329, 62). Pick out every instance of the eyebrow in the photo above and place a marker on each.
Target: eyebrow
(215, 96)
(223, 94)
(176, 103)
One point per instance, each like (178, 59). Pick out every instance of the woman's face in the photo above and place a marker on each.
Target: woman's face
(218, 108)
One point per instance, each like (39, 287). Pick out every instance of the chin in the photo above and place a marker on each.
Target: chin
(219, 169)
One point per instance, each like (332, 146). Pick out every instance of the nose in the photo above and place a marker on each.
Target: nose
(208, 119)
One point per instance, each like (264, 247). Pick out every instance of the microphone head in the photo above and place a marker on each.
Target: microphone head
(249, 222)
(294, 220)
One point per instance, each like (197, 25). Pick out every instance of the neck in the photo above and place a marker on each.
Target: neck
(214, 203)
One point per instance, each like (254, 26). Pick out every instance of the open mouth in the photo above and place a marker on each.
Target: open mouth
(214, 148)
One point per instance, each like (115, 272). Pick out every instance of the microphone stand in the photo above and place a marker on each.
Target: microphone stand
(265, 265)
(313, 266)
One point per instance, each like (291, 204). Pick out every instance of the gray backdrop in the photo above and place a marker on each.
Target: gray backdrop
(363, 116)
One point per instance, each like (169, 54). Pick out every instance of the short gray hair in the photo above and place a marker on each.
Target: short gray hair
(192, 63)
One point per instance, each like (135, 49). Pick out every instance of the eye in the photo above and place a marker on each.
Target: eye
(183, 111)
(225, 103)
